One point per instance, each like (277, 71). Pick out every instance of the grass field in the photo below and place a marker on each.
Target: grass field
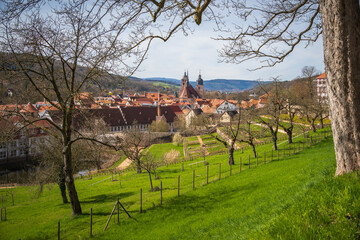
(260, 202)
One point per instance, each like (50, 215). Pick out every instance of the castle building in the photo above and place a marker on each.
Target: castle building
(187, 90)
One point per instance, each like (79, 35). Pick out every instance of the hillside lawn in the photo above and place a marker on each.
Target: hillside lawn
(296, 197)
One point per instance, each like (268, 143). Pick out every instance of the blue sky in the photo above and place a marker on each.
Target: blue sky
(198, 51)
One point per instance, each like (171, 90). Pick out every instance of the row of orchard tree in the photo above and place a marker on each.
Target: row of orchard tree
(48, 41)
(286, 106)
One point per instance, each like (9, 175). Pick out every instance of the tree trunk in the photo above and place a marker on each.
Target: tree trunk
(274, 139)
(253, 149)
(313, 127)
(70, 183)
(62, 185)
(321, 122)
(341, 34)
(138, 167)
(151, 184)
(231, 155)
(289, 133)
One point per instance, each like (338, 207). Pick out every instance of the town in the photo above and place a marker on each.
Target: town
(190, 119)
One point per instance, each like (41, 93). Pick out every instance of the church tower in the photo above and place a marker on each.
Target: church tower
(200, 86)
(184, 81)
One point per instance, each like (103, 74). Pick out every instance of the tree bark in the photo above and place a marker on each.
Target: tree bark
(289, 133)
(274, 139)
(313, 127)
(138, 166)
(70, 183)
(321, 123)
(253, 149)
(231, 155)
(341, 34)
(62, 186)
(151, 184)
(67, 156)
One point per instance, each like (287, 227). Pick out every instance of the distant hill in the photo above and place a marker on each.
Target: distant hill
(224, 85)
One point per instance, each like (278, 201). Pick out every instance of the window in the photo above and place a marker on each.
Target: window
(13, 153)
(2, 154)
(12, 144)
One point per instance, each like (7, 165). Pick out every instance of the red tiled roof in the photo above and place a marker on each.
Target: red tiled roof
(321, 76)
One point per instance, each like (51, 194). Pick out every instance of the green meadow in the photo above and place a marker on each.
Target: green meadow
(281, 195)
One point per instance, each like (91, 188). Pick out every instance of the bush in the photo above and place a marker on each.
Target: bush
(171, 156)
(177, 139)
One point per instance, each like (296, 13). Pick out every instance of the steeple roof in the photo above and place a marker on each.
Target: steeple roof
(199, 80)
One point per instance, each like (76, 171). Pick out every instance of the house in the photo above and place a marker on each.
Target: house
(321, 88)
(191, 116)
(225, 106)
(122, 118)
(227, 117)
(19, 142)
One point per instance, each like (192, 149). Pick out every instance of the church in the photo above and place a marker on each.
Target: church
(189, 92)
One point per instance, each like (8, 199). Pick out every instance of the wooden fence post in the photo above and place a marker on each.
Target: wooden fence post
(219, 171)
(118, 210)
(58, 230)
(294, 150)
(207, 174)
(283, 154)
(179, 186)
(140, 200)
(161, 192)
(91, 221)
(265, 157)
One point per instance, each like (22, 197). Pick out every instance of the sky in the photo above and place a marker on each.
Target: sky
(198, 52)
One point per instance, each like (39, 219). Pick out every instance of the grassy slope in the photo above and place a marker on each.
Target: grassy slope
(252, 204)
(235, 207)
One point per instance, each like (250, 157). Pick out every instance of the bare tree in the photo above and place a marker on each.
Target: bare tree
(133, 144)
(232, 131)
(248, 134)
(63, 50)
(291, 109)
(271, 30)
(150, 163)
(269, 115)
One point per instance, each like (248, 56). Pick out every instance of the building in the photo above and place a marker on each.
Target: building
(19, 142)
(200, 86)
(187, 91)
(321, 88)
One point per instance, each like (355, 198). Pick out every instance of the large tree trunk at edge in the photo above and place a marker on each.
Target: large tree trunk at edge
(341, 34)
(231, 155)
